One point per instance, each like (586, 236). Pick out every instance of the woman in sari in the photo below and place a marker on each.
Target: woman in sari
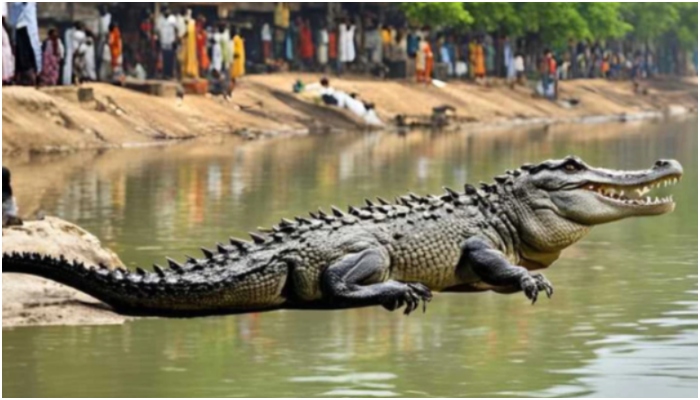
(202, 55)
(53, 55)
(479, 62)
(238, 68)
(190, 67)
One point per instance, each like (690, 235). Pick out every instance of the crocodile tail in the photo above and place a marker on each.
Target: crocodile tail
(166, 292)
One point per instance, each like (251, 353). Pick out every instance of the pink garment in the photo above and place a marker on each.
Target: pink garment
(8, 59)
(52, 63)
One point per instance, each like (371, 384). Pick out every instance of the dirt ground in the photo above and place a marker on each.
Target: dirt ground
(53, 120)
(29, 300)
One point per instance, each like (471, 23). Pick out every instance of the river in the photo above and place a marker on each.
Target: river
(623, 320)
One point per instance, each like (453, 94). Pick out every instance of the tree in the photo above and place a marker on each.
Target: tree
(554, 23)
(438, 14)
(686, 30)
(604, 20)
(651, 20)
(491, 17)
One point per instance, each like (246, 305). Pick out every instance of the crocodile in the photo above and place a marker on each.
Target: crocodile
(391, 254)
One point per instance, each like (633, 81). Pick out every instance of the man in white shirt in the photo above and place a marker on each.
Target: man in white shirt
(100, 41)
(167, 33)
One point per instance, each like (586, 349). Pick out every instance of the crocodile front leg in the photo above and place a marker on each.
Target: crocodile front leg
(492, 267)
(356, 281)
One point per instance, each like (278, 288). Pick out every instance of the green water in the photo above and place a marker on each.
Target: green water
(623, 320)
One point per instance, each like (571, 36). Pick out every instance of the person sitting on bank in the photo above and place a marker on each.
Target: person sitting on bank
(9, 204)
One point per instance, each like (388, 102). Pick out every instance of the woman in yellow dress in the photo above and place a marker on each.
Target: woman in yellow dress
(190, 66)
(238, 68)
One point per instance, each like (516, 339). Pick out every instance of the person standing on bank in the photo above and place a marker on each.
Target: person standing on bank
(8, 56)
(53, 56)
(346, 44)
(322, 50)
(28, 62)
(238, 67)
(167, 34)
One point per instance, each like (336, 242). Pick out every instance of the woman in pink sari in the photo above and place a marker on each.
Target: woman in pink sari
(53, 54)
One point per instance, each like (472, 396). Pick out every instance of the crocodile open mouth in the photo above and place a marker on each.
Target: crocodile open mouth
(635, 195)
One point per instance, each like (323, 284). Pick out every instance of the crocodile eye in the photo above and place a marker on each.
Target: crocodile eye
(572, 166)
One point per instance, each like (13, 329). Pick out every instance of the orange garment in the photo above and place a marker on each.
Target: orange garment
(424, 62)
(479, 64)
(552, 66)
(115, 46)
(202, 55)
(429, 60)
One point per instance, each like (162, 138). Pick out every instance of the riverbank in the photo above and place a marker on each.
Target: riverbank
(55, 120)
(29, 300)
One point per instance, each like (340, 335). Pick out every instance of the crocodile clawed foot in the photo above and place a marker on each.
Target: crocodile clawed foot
(417, 292)
(531, 285)
(411, 297)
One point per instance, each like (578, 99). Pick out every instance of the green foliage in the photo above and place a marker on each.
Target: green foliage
(686, 30)
(556, 23)
(438, 14)
(490, 17)
(654, 20)
(604, 20)
(650, 20)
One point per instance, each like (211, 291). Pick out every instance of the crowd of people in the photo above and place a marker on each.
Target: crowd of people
(174, 44)
(82, 54)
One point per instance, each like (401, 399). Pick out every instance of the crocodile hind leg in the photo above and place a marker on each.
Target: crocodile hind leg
(356, 281)
(492, 267)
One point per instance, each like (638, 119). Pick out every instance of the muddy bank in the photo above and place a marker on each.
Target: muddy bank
(28, 300)
(55, 120)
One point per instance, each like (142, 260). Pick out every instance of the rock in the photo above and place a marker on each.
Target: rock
(85, 94)
(30, 300)
(56, 237)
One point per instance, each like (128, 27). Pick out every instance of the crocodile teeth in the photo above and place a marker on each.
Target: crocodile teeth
(643, 191)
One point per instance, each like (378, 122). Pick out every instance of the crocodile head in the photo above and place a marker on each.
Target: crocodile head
(561, 199)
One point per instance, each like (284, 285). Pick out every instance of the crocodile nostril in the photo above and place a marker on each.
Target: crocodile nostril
(662, 163)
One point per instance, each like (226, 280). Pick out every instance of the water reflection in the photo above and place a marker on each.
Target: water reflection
(622, 323)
